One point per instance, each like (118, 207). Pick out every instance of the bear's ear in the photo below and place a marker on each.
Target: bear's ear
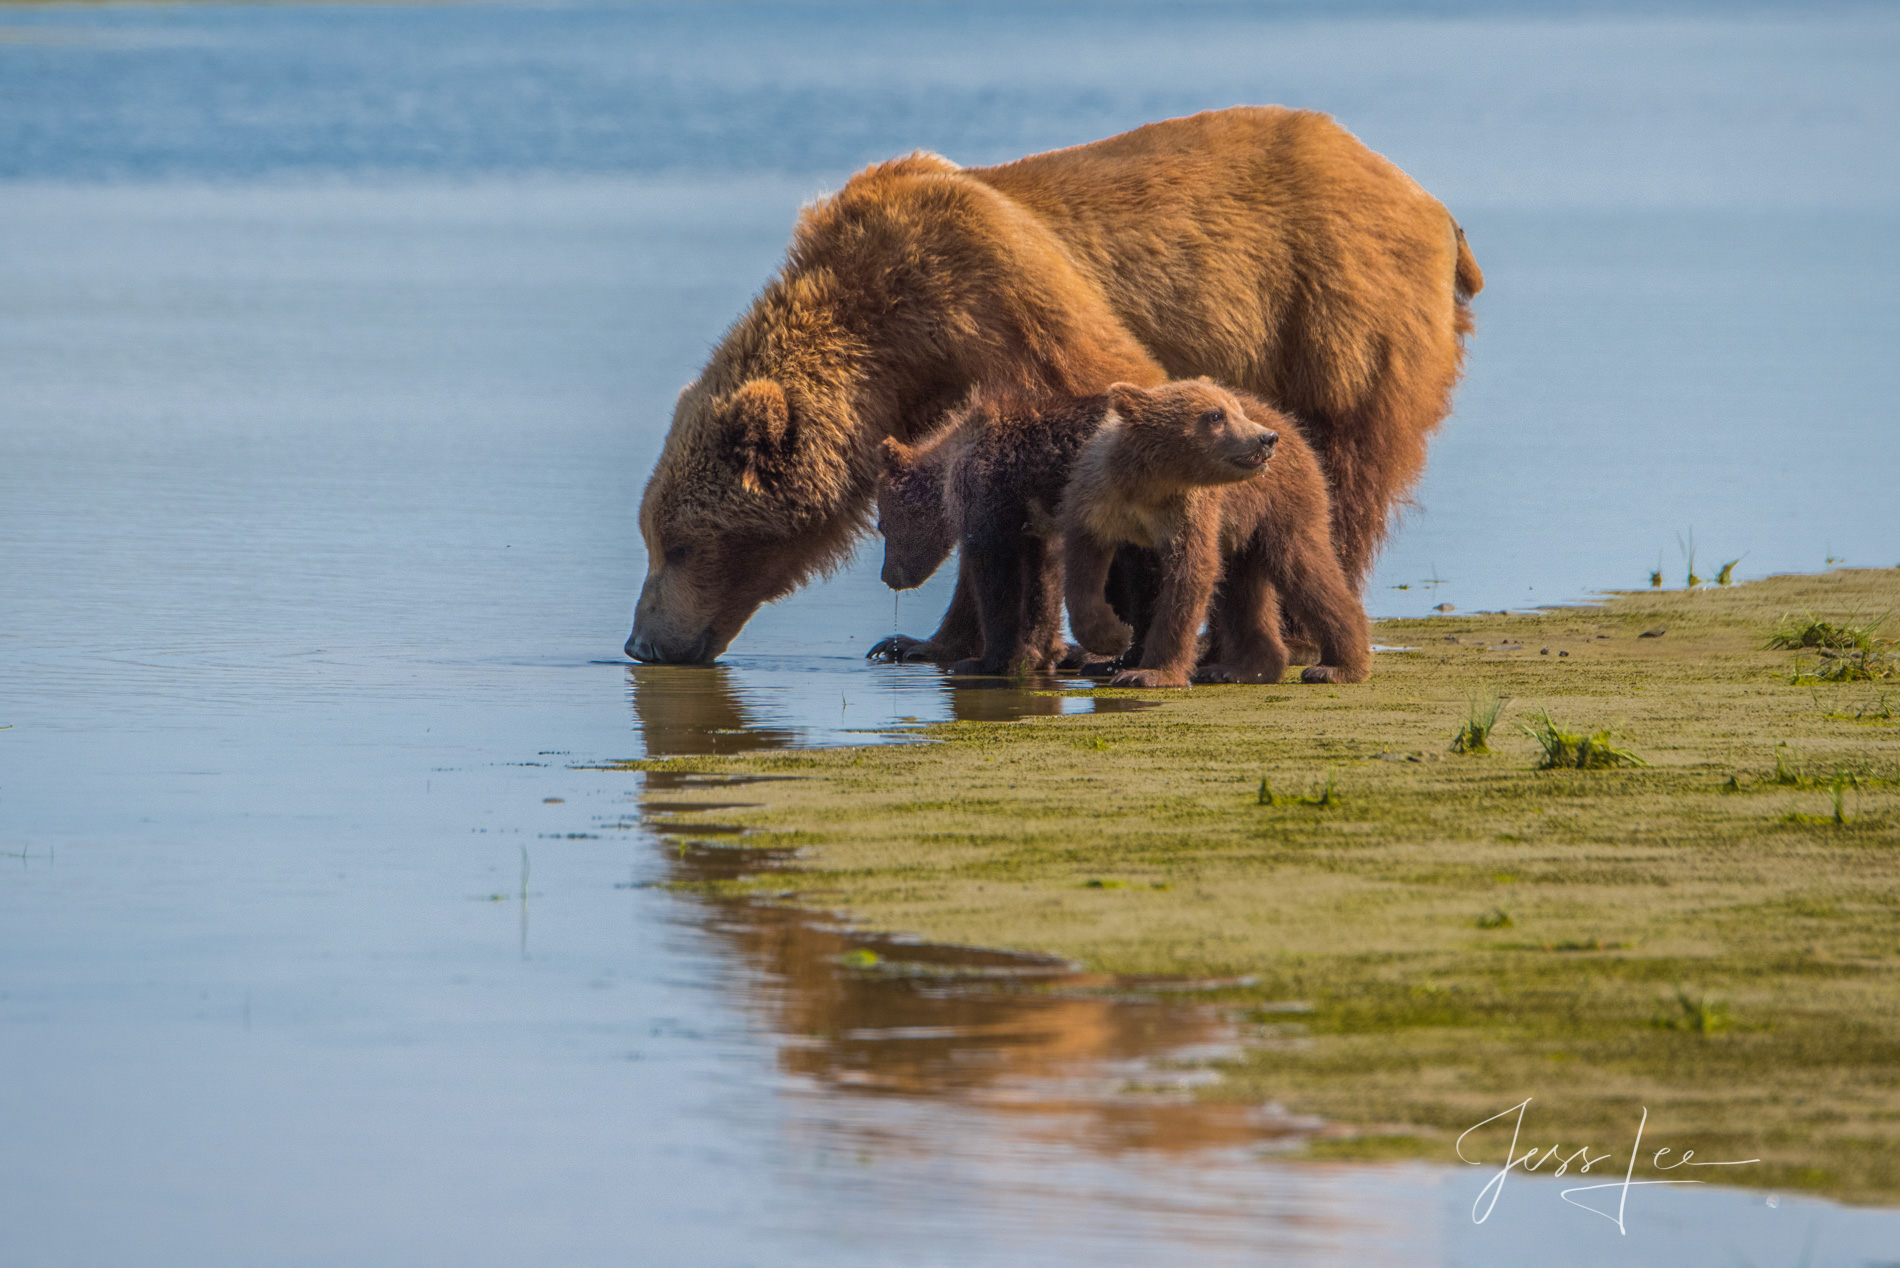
(1125, 398)
(759, 430)
(898, 456)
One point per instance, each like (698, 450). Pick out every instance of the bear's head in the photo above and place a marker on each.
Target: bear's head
(911, 515)
(748, 500)
(1190, 432)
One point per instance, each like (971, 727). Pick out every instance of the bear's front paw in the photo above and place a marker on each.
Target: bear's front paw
(892, 648)
(1105, 634)
(1077, 659)
(974, 665)
(1330, 673)
(1147, 678)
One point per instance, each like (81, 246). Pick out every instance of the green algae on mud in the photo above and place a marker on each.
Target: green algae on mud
(1713, 936)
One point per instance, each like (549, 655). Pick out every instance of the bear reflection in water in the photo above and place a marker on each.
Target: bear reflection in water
(694, 711)
(1042, 1051)
(717, 709)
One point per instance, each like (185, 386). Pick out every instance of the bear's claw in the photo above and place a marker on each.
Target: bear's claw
(901, 649)
(1145, 678)
(1329, 673)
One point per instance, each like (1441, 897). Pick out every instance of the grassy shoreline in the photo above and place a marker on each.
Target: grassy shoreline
(1713, 936)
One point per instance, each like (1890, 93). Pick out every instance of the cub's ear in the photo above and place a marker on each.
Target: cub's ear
(898, 456)
(759, 431)
(1124, 397)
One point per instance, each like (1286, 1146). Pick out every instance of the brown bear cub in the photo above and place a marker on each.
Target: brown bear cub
(992, 483)
(1230, 497)
(999, 480)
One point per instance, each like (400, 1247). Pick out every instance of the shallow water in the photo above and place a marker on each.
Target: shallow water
(336, 344)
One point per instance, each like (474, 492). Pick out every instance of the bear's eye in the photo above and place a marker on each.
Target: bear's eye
(676, 555)
(1214, 418)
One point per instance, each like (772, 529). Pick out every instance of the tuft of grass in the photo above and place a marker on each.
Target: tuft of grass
(1496, 918)
(1837, 790)
(1698, 1014)
(1567, 750)
(1328, 796)
(1726, 577)
(1787, 770)
(1859, 666)
(1810, 632)
(1688, 555)
(1482, 716)
(1875, 708)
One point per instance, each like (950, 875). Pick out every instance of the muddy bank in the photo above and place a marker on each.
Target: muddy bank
(1712, 934)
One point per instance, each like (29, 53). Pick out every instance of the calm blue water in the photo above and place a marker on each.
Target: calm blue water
(335, 346)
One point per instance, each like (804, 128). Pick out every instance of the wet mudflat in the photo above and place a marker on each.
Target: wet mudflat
(337, 343)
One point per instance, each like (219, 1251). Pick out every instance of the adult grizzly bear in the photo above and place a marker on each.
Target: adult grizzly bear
(1228, 495)
(1262, 246)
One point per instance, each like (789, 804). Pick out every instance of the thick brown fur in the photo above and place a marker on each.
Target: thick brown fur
(1265, 247)
(1184, 470)
(991, 484)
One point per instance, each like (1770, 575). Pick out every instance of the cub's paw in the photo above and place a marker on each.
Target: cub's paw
(1330, 673)
(892, 648)
(902, 649)
(1077, 659)
(1147, 678)
(1106, 636)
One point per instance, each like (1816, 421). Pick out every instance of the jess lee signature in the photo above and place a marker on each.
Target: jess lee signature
(1532, 1160)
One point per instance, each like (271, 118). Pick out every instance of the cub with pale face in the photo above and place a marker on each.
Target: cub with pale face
(991, 483)
(1229, 496)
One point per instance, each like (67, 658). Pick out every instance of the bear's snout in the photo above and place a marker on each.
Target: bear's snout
(1252, 452)
(652, 651)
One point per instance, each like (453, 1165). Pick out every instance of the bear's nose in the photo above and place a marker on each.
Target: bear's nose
(1268, 440)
